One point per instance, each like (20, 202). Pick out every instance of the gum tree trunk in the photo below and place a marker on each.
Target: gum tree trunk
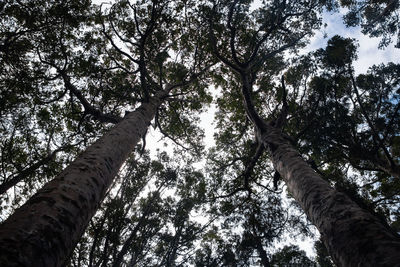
(45, 230)
(352, 235)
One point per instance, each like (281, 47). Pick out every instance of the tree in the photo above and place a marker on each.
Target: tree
(63, 207)
(335, 215)
(373, 101)
(291, 256)
(377, 18)
(347, 122)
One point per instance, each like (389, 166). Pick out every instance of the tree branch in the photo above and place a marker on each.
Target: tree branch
(97, 114)
(251, 164)
(215, 50)
(233, 33)
(281, 120)
(375, 135)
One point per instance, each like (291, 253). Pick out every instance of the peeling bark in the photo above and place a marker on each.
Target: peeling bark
(45, 230)
(352, 235)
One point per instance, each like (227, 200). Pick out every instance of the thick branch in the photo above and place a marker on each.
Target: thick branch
(249, 104)
(97, 114)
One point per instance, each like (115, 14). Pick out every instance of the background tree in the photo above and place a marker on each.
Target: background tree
(29, 101)
(147, 222)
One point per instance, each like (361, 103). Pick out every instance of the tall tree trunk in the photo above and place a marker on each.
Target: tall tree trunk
(45, 230)
(352, 235)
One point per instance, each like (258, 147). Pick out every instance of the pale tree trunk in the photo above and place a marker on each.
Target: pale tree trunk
(352, 235)
(45, 230)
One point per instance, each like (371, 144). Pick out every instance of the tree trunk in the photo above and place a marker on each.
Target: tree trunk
(352, 235)
(45, 230)
(261, 252)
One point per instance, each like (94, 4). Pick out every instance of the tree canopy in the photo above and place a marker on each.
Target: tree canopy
(85, 86)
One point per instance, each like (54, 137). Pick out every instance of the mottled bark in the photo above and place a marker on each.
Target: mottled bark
(353, 236)
(45, 230)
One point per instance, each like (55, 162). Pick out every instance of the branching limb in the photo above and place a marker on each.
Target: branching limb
(269, 55)
(234, 192)
(375, 135)
(119, 50)
(215, 50)
(158, 125)
(89, 109)
(267, 188)
(29, 170)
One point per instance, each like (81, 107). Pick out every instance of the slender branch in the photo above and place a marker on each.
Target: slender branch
(375, 135)
(275, 52)
(234, 192)
(28, 171)
(115, 46)
(251, 164)
(136, 21)
(267, 188)
(158, 125)
(125, 40)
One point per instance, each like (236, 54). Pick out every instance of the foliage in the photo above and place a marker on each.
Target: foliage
(347, 120)
(72, 69)
(377, 18)
(291, 256)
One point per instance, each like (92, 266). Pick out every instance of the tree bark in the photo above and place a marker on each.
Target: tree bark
(45, 230)
(352, 235)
